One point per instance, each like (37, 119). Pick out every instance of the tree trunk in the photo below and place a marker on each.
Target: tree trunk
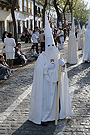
(58, 13)
(59, 17)
(44, 8)
(14, 20)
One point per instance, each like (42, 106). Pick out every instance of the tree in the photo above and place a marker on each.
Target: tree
(61, 9)
(77, 8)
(80, 12)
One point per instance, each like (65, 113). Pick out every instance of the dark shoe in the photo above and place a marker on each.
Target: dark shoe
(86, 61)
(44, 123)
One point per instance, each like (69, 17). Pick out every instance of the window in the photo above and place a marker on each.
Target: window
(10, 27)
(19, 28)
(1, 28)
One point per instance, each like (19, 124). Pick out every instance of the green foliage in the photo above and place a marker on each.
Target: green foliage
(78, 7)
(80, 12)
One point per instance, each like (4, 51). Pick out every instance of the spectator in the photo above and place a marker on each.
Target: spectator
(3, 37)
(9, 49)
(30, 35)
(42, 41)
(35, 41)
(4, 68)
(58, 36)
(37, 33)
(26, 36)
(33, 52)
(64, 33)
(55, 40)
(19, 53)
(61, 39)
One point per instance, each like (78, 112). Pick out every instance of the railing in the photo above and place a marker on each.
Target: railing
(29, 10)
(25, 9)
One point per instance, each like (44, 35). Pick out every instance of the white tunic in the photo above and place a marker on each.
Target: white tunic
(44, 92)
(72, 50)
(86, 50)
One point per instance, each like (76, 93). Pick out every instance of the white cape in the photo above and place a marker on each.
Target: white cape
(86, 50)
(44, 94)
(72, 50)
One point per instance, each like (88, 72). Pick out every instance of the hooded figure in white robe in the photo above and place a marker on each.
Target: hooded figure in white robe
(44, 89)
(86, 50)
(79, 39)
(72, 47)
(83, 36)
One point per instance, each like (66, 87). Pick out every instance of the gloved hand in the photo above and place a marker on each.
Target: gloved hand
(51, 66)
(61, 62)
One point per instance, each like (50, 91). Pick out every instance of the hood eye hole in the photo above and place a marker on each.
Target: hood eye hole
(48, 45)
(52, 44)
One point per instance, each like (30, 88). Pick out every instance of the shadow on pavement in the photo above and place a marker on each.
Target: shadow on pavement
(77, 69)
(29, 128)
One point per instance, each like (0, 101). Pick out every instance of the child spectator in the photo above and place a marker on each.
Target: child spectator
(20, 53)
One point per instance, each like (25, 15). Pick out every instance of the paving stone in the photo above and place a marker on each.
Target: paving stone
(79, 86)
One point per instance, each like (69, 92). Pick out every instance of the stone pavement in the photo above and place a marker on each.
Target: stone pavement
(15, 101)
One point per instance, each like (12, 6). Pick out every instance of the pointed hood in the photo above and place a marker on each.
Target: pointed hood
(48, 34)
(73, 27)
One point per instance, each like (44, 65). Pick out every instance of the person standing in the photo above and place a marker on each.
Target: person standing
(65, 33)
(42, 41)
(62, 39)
(35, 41)
(86, 50)
(83, 36)
(9, 49)
(72, 46)
(3, 37)
(79, 39)
(44, 89)
(58, 36)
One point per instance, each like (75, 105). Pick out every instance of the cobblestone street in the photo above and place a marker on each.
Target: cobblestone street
(15, 100)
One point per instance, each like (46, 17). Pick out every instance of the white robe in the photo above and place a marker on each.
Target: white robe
(79, 41)
(86, 50)
(44, 93)
(72, 49)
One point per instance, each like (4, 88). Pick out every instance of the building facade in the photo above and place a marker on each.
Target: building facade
(24, 15)
(6, 23)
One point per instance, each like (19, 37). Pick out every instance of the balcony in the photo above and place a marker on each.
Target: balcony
(25, 9)
(29, 10)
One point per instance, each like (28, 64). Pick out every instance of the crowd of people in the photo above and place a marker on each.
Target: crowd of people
(13, 54)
